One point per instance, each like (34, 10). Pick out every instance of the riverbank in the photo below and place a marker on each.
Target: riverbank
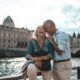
(21, 52)
(12, 52)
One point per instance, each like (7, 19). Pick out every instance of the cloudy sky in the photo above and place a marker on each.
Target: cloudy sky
(31, 13)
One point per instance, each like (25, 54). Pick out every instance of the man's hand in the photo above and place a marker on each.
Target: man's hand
(54, 44)
(49, 37)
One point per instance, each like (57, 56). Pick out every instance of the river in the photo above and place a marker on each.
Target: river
(12, 66)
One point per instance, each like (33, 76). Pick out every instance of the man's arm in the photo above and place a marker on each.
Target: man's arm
(55, 46)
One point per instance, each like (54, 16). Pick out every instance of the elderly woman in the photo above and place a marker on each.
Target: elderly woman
(39, 52)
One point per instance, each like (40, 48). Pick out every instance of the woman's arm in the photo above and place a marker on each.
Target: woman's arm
(47, 57)
(41, 58)
(29, 50)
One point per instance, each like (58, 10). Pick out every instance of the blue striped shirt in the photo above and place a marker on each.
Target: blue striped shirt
(63, 41)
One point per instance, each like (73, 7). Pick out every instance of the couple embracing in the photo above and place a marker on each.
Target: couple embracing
(42, 49)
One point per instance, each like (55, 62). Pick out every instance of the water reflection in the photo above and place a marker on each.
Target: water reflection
(12, 66)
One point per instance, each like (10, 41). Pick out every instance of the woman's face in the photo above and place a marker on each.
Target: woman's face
(40, 32)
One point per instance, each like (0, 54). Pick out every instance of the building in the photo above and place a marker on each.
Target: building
(12, 37)
(75, 40)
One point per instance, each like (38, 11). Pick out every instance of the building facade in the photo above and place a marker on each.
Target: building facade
(75, 40)
(12, 37)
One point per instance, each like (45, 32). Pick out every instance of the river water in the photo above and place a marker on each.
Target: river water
(12, 66)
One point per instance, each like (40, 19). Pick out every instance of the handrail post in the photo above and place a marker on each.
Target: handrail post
(78, 73)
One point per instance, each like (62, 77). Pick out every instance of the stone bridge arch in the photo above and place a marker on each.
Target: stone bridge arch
(75, 49)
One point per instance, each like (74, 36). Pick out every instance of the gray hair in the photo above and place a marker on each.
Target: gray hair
(49, 22)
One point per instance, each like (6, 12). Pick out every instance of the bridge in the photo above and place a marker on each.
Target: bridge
(75, 49)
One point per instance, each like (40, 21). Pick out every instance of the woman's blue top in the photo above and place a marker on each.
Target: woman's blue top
(35, 50)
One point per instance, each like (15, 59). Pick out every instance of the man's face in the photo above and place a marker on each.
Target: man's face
(49, 28)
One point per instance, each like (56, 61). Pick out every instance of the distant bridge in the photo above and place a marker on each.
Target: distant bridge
(75, 49)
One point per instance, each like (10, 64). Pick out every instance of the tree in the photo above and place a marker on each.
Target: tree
(74, 35)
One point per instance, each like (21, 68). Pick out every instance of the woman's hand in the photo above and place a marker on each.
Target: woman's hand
(38, 63)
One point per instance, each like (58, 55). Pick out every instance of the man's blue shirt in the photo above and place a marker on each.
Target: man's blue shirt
(63, 41)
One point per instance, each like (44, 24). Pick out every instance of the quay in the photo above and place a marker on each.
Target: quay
(20, 76)
(21, 52)
(12, 52)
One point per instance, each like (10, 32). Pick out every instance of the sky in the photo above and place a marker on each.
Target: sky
(31, 13)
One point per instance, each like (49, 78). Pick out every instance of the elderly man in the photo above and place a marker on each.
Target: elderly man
(62, 57)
